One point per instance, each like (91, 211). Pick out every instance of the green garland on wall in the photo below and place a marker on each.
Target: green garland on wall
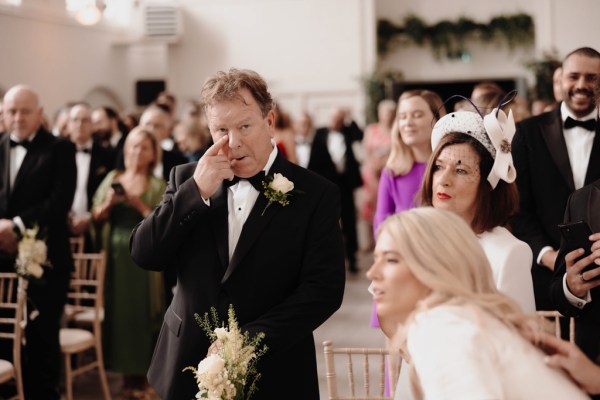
(447, 38)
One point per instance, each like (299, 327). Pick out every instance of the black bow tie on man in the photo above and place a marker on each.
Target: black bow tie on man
(589, 124)
(24, 143)
(255, 181)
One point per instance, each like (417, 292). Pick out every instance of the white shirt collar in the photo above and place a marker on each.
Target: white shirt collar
(565, 113)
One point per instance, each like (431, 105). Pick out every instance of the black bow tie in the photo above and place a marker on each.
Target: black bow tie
(589, 124)
(255, 181)
(24, 143)
(86, 150)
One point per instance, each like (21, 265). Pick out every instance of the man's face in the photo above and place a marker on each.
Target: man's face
(80, 124)
(2, 128)
(158, 122)
(249, 133)
(579, 76)
(101, 124)
(22, 115)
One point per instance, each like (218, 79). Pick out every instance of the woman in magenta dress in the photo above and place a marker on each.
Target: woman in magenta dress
(418, 111)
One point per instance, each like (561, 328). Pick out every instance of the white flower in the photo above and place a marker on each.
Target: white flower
(221, 333)
(281, 183)
(32, 253)
(211, 365)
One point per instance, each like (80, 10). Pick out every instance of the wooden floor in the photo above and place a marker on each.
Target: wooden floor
(348, 327)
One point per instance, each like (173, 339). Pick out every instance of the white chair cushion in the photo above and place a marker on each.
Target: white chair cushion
(75, 340)
(7, 370)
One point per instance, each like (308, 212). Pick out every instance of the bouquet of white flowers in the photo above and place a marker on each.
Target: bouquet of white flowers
(231, 366)
(31, 255)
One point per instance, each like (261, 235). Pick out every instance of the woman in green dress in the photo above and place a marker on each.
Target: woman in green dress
(134, 298)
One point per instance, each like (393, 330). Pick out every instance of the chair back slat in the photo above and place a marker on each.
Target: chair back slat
(555, 317)
(363, 365)
(13, 297)
(86, 291)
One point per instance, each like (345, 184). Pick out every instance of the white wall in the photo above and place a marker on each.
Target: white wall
(560, 26)
(312, 52)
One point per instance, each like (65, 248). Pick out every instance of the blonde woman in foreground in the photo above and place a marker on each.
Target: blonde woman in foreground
(439, 306)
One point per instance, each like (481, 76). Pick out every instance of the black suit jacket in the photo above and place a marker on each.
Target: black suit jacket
(42, 194)
(545, 181)
(171, 159)
(285, 278)
(102, 161)
(320, 160)
(584, 204)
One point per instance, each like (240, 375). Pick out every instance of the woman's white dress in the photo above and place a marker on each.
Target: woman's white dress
(460, 352)
(511, 261)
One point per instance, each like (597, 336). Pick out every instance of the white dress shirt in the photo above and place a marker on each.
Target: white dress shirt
(240, 200)
(17, 155)
(579, 145)
(336, 146)
(303, 148)
(83, 160)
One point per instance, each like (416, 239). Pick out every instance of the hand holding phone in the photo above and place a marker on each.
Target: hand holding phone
(576, 236)
(118, 188)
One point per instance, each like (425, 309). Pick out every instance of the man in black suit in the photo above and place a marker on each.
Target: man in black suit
(108, 129)
(160, 123)
(281, 267)
(332, 156)
(574, 292)
(93, 161)
(556, 153)
(36, 188)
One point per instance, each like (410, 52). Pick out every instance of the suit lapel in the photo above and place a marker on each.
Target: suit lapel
(593, 170)
(30, 161)
(218, 220)
(257, 220)
(5, 177)
(552, 133)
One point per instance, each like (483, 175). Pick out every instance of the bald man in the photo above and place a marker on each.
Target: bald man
(37, 184)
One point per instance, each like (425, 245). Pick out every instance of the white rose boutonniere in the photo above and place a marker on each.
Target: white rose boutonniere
(277, 190)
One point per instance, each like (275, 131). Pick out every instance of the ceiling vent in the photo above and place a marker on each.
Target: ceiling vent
(163, 22)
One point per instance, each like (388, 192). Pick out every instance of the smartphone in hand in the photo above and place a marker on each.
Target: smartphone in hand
(576, 236)
(118, 188)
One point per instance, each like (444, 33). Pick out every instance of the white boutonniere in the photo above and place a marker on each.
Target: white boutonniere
(32, 255)
(278, 189)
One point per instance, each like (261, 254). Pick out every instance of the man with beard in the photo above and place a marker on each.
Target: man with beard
(556, 153)
(109, 131)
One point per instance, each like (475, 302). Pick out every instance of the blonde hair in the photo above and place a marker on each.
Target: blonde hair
(402, 159)
(443, 253)
(144, 133)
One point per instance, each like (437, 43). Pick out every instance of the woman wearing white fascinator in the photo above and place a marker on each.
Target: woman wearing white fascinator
(471, 173)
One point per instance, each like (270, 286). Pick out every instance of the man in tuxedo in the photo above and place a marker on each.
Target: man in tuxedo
(108, 129)
(159, 122)
(93, 161)
(281, 267)
(573, 290)
(332, 156)
(554, 154)
(36, 188)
